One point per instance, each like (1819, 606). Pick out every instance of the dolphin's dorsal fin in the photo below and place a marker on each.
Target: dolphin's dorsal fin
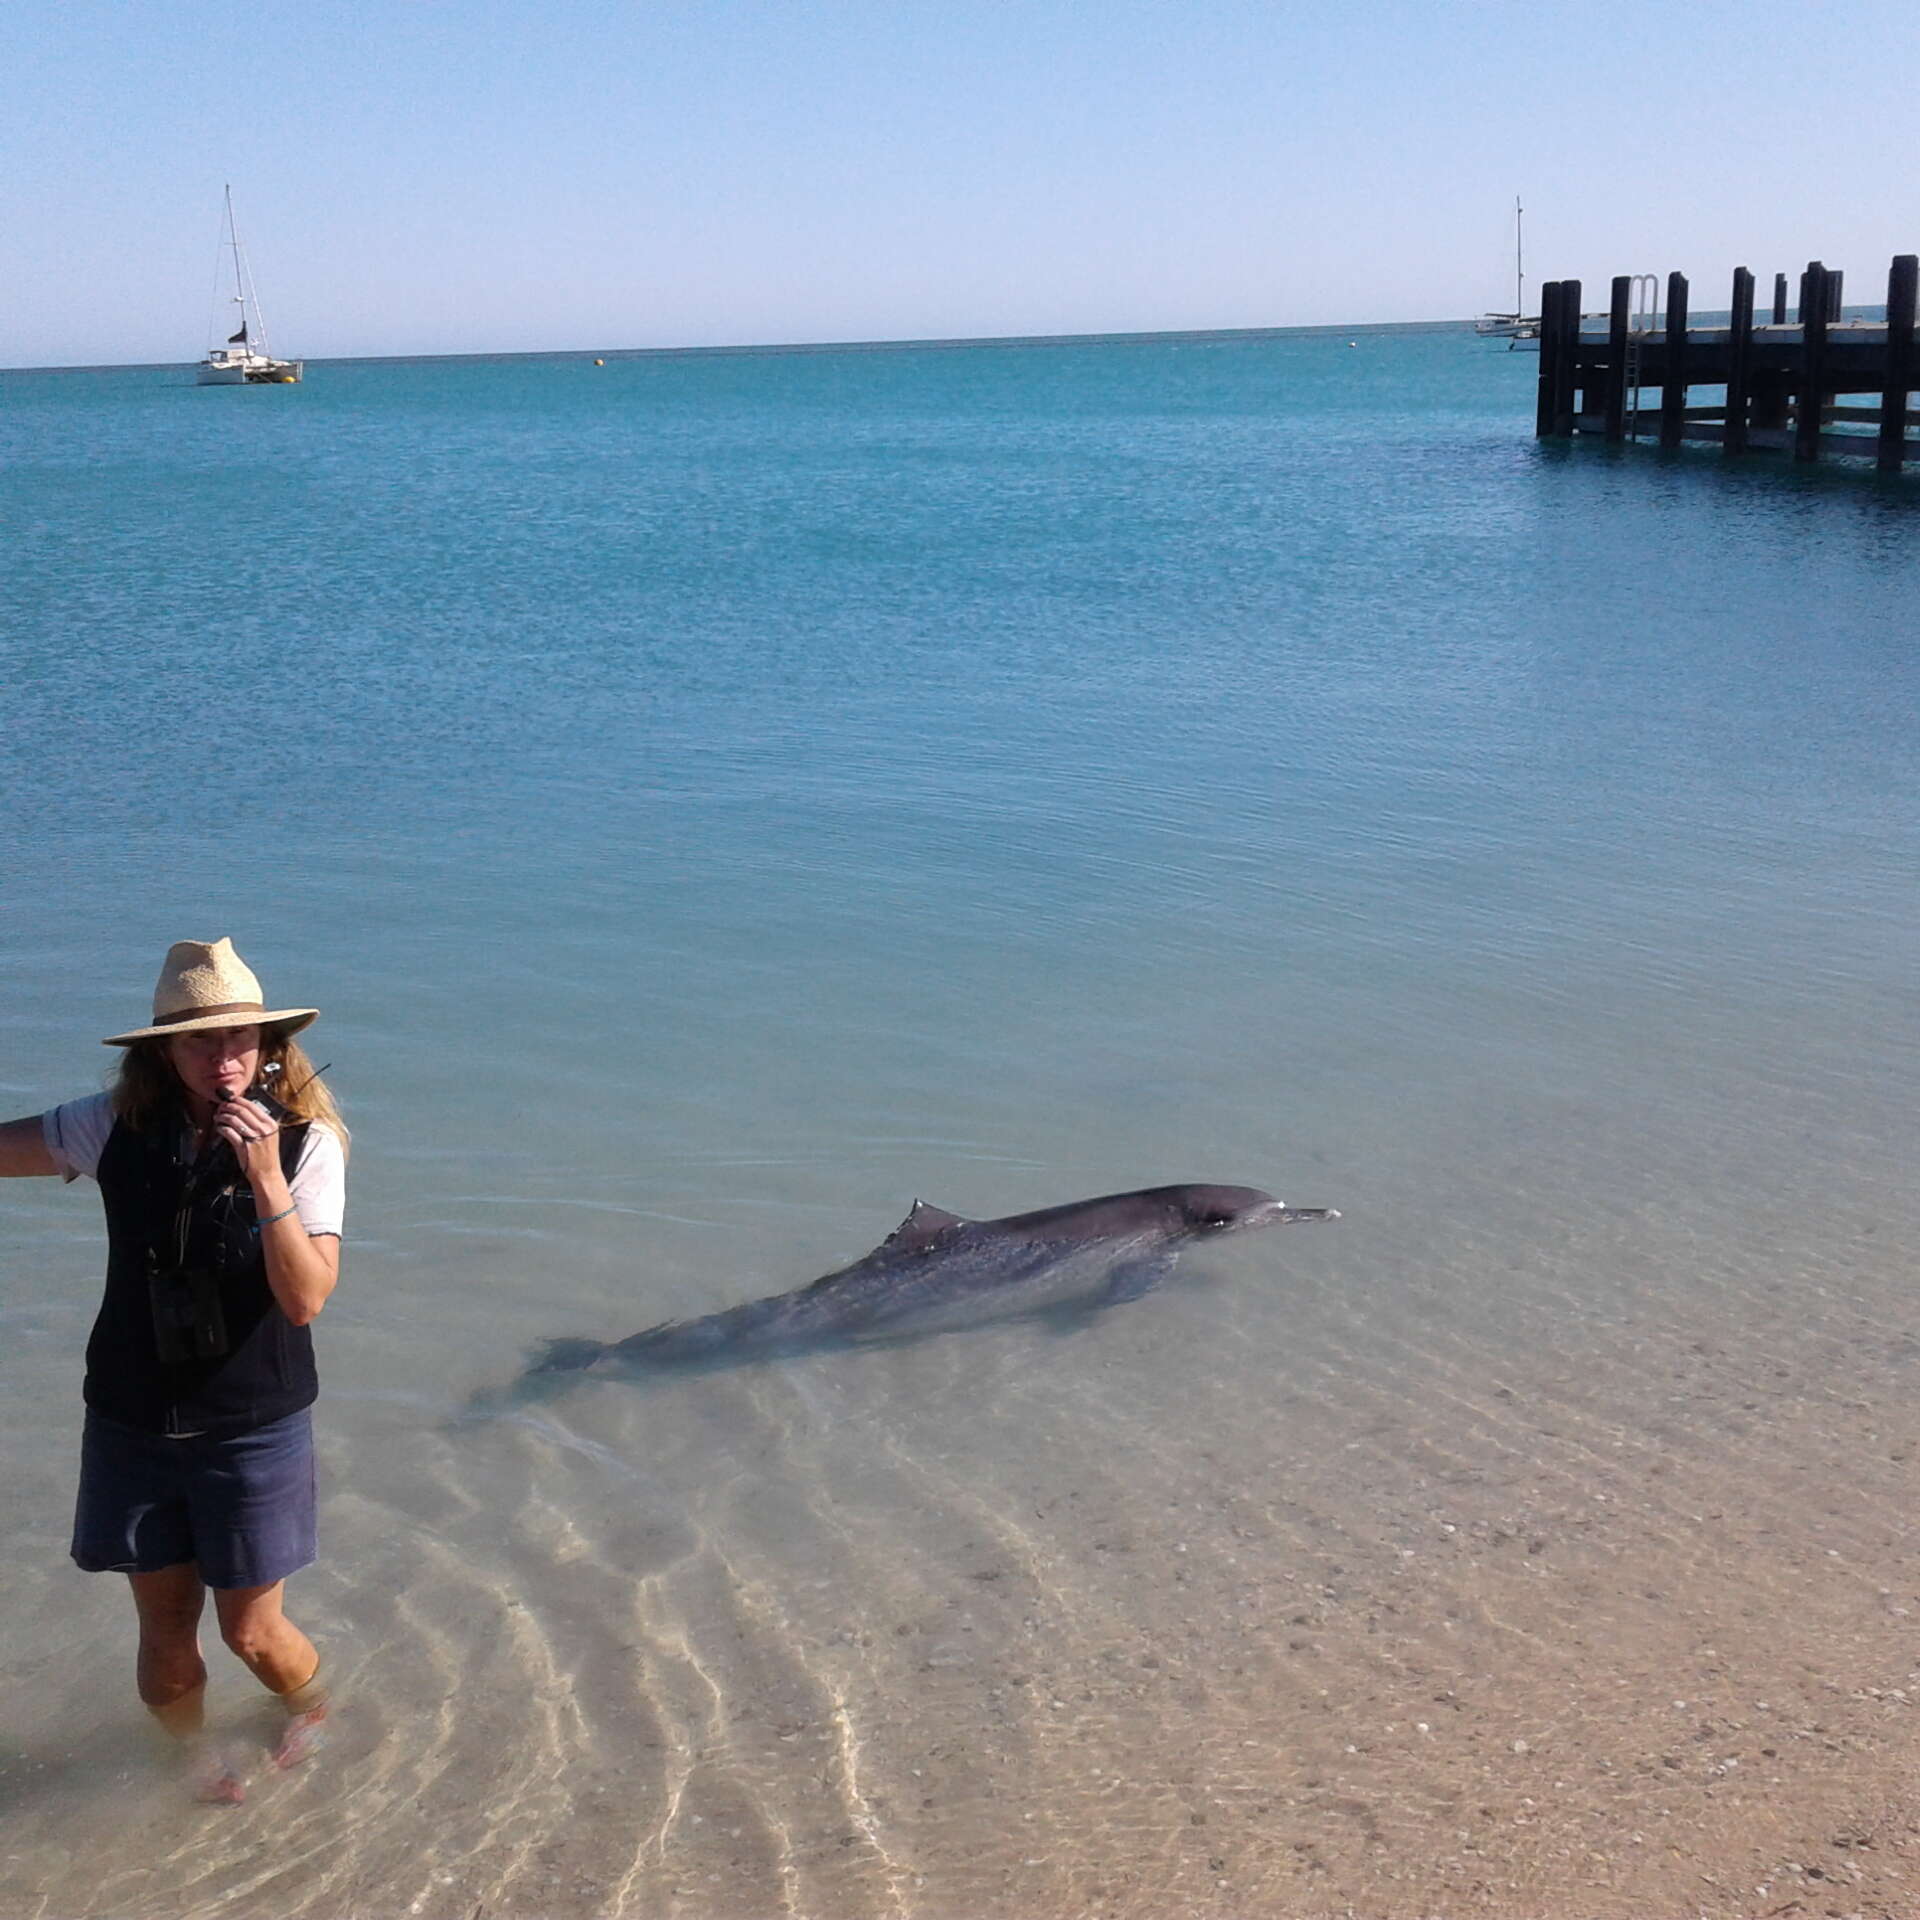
(921, 1228)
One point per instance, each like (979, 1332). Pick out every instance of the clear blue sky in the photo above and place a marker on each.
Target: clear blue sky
(470, 175)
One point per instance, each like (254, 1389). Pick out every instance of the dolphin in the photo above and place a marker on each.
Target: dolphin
(936, 1271)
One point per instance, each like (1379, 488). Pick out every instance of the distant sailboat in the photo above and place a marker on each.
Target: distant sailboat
(245, 360)
(1519, 325)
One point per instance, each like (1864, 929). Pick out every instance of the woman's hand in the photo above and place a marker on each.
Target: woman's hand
(301, 1271)
(253, 1134)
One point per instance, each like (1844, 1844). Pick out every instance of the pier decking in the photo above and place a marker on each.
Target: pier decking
(1784, 378)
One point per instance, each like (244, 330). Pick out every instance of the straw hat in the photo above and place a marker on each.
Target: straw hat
(207, 985)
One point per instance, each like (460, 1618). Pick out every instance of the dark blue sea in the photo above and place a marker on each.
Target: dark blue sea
(719, 798)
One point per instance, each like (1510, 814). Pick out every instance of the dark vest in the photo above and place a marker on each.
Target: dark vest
(189, 1338)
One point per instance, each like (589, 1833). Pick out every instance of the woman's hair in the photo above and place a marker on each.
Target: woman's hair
(147, 1086)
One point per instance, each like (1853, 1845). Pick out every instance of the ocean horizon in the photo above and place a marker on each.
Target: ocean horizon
(1123, 337)
(1702, 317)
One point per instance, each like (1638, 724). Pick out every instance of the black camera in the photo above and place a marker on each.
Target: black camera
(189, 1323)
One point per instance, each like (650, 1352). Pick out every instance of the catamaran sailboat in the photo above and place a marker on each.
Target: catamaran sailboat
(1519, 325)
(245, 359)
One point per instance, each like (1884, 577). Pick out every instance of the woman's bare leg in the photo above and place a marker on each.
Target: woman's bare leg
(172, 1675)
(281, 1658)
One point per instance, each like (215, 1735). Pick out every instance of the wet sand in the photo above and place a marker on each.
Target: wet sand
(1536, 1601)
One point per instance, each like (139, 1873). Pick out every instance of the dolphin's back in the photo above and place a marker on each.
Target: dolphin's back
(932, 1273)
(788, 1319)
(908, 1278)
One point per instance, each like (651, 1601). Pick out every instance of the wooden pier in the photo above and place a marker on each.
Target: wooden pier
(1784, 378)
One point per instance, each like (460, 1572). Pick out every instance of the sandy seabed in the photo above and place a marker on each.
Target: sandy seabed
(1542, 1602)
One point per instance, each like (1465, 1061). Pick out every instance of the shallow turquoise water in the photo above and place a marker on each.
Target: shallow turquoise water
(777, 748)
(718, 798)
(738, 729)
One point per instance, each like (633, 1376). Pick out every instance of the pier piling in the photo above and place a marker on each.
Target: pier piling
(1567, 342)
(1902, 277)
(1543, 414)
(1810, 414)
(1739, 362)
(1673, 390)
(1615, 385)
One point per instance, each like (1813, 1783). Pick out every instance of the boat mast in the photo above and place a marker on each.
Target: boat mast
(252, 321)
(239, 288)
(1519, 265)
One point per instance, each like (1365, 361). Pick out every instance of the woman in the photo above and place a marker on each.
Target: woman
(221, 1160)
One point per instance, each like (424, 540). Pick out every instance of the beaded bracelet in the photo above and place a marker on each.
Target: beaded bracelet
(272, 1217)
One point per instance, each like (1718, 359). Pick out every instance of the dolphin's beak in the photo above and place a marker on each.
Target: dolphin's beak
(1268, 1213)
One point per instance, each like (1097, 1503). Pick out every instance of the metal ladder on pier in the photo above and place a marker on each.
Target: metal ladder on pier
(1643, 318)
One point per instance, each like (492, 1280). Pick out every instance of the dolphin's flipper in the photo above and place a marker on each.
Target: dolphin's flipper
(1127, 1281)
(1132, 1278)
(567, 1356)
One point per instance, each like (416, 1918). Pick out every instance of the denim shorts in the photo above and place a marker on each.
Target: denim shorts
(241, 1507)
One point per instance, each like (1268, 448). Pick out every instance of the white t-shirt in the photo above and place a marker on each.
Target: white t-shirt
(76, 1136)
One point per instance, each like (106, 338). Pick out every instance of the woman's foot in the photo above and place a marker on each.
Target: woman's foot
(213, 1782)
(305, 1735)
